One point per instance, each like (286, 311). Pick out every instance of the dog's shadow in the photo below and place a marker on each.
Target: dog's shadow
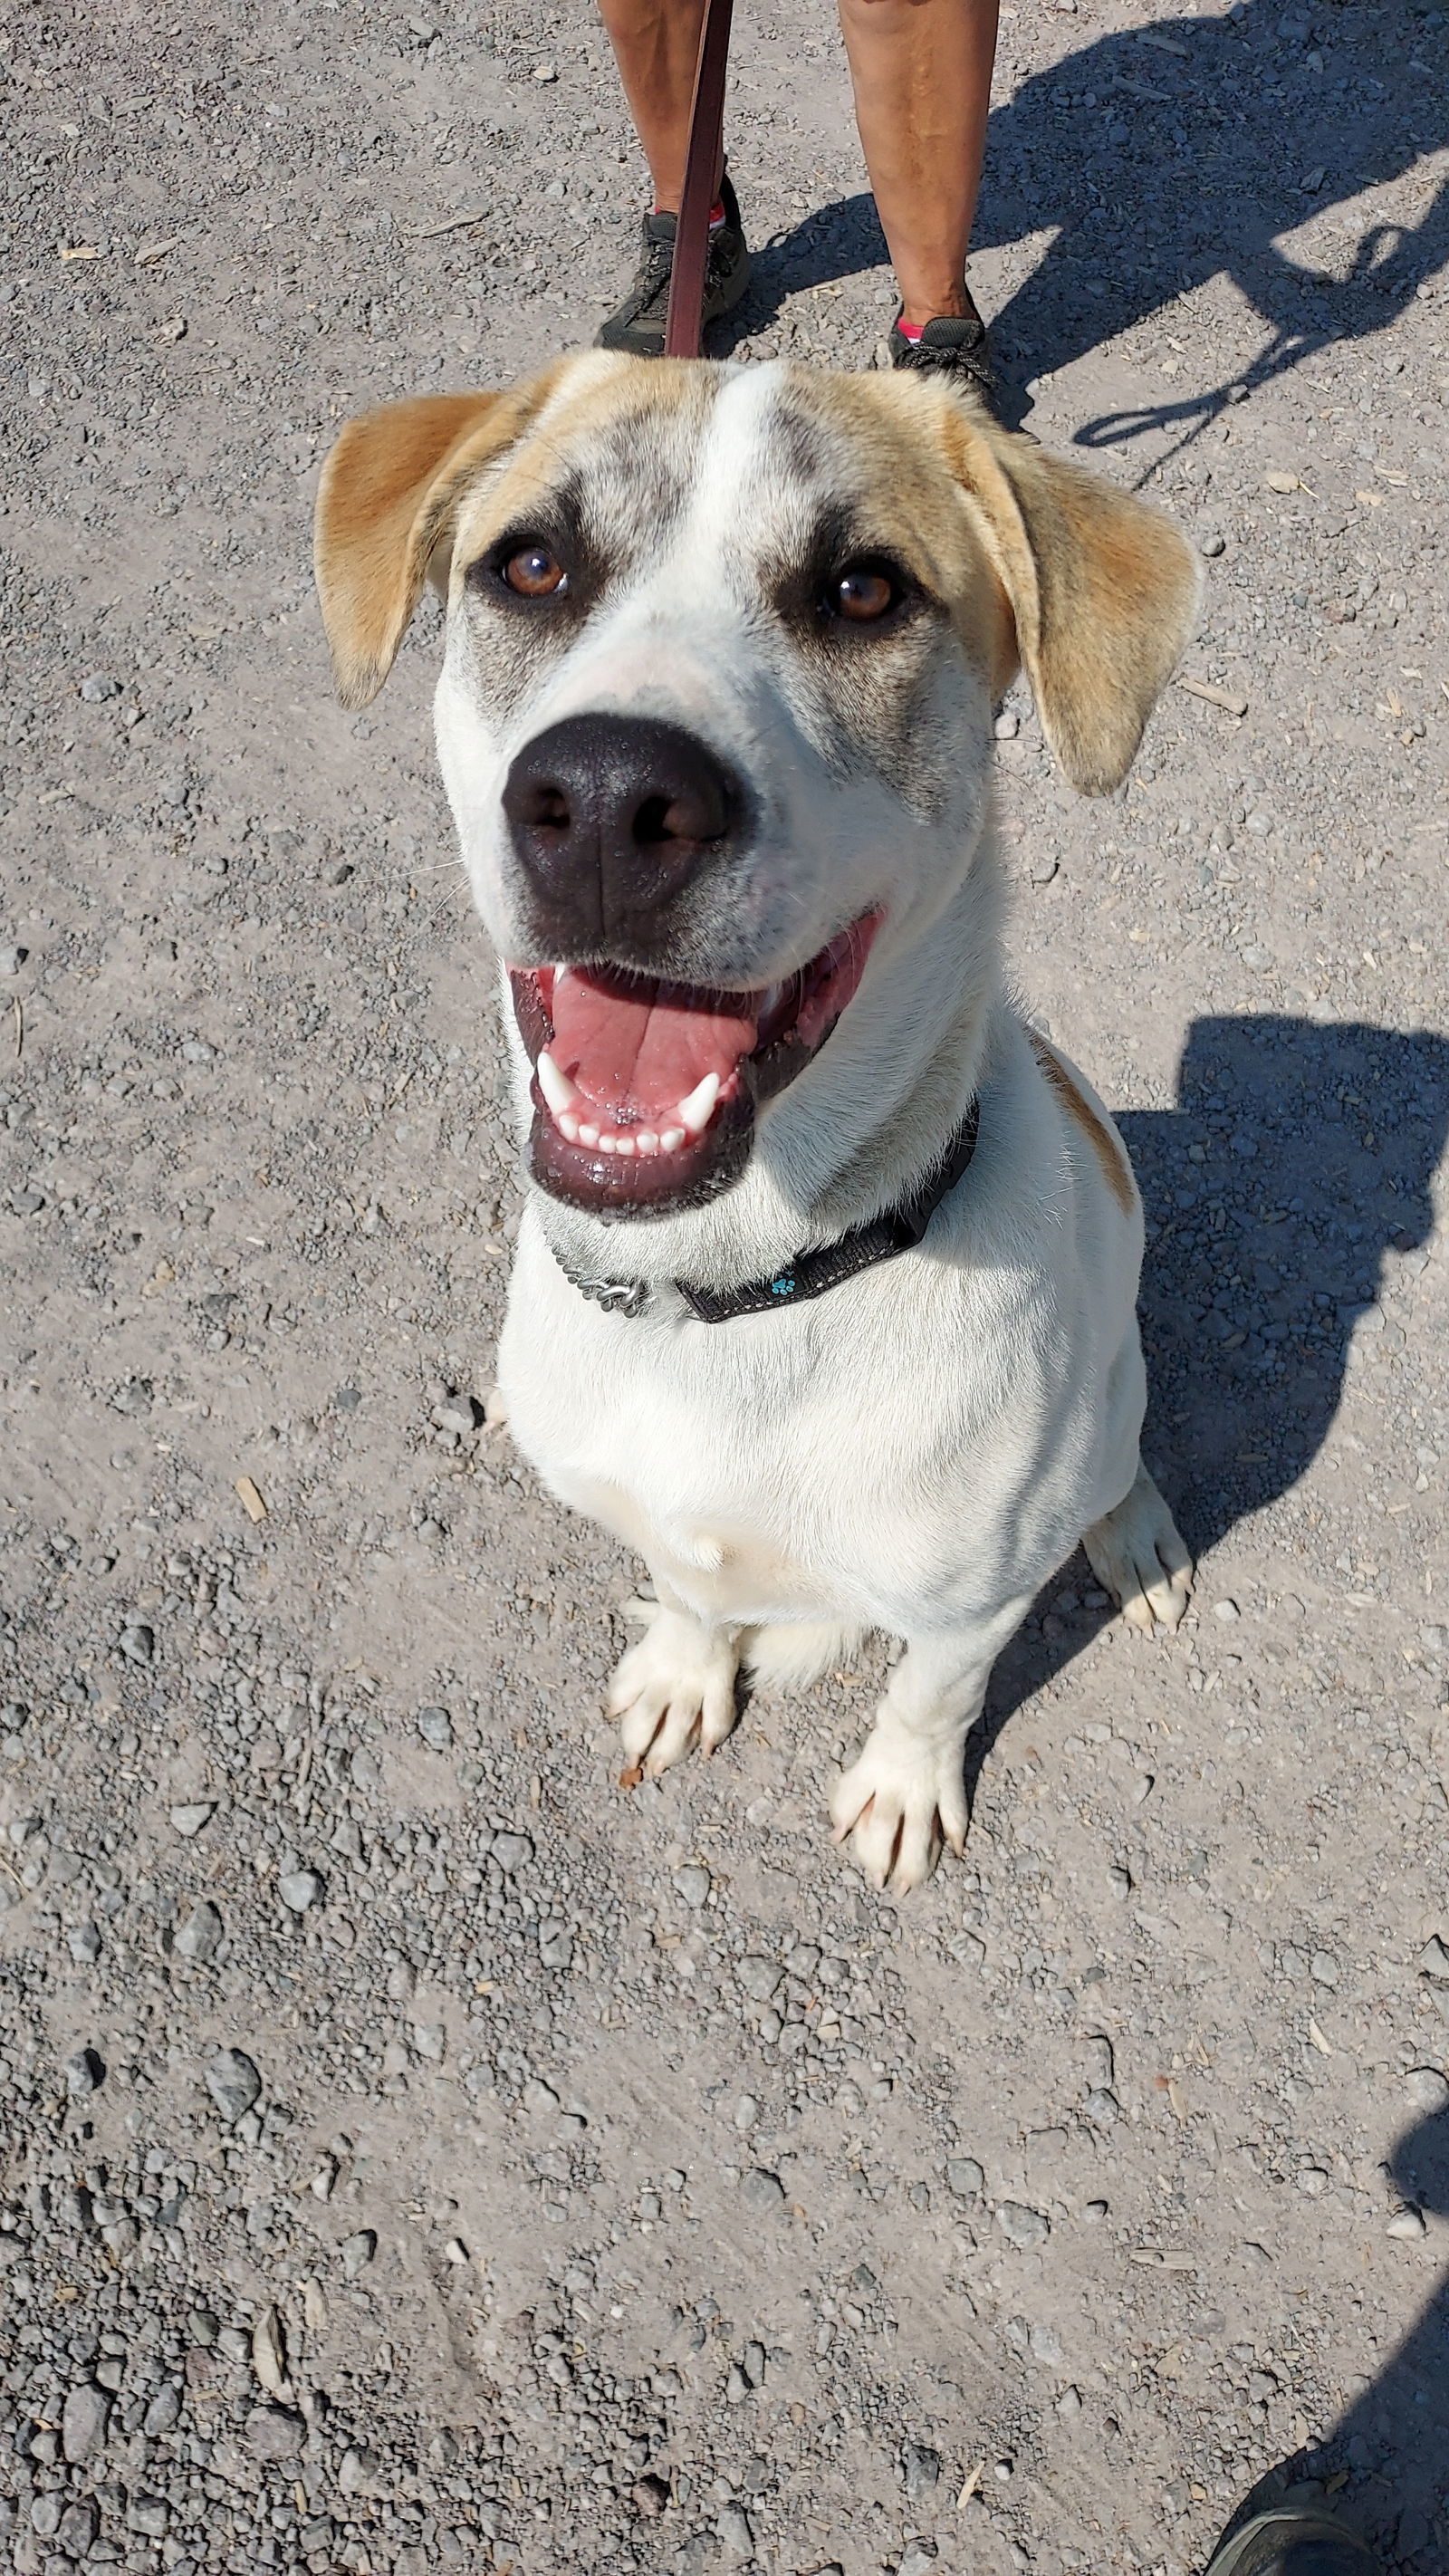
(1293, 1175)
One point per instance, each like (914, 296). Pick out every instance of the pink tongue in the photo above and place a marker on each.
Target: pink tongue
(639, 1050)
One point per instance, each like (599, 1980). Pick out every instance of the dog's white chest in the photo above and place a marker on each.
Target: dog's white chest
(874, 1466)
(680, 1472)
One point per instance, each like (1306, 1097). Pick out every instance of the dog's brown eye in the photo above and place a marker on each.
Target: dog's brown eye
(534, 571)
(862, 593)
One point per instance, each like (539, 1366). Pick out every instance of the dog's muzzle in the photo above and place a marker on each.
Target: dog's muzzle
(612, 818)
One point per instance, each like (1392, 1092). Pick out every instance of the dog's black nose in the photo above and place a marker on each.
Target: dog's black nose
(612, 816)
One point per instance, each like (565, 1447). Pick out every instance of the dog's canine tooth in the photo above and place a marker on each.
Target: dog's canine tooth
(555, 1085)
(698, 1109)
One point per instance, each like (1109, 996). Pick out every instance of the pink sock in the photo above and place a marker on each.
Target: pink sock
(716, 218)
(910, 330)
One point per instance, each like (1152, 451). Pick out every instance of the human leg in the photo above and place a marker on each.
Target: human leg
(656, 46)
(921, 71)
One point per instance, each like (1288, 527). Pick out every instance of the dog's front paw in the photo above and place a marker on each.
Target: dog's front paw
(674, 1689)
(899, 1803)
(1138, 1556)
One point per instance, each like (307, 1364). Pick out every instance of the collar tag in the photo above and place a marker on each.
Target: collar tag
(810, 1274)
(616, 1296)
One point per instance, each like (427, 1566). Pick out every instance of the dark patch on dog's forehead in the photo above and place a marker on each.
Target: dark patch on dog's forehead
(847, 446)
(639, 478)
(831, 497)
(799, 438)
(624, 476)
(633, 492)
(628, 474)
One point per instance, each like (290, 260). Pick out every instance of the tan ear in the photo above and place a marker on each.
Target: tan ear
(388, 497)
(1103, 589)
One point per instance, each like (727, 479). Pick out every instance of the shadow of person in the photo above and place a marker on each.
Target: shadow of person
(1388, 2454)
(1160, 169)
(1287, 1189)
(1162, 156)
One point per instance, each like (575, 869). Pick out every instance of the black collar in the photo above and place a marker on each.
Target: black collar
(897, 1229)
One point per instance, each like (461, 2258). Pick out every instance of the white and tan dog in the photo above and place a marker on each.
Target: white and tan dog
(715, 719)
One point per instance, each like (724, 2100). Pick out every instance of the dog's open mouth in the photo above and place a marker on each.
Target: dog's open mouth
(645, 1092)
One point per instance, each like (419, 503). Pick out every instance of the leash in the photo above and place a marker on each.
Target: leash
(683, 328)
(898, 1229)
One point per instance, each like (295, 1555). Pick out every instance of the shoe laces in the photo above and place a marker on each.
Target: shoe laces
(970, 355)
(655, 270)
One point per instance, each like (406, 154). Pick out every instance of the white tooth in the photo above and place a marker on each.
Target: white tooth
(671, 1138)
(607, 1144)
(623, 1144)
(588, 1135)
(646, 1142)
(568, 1127)
(698, 1109)
(556, 1087)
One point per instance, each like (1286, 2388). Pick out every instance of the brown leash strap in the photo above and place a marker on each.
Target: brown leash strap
(684, 327)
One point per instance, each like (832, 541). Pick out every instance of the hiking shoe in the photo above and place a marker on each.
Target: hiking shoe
(638, 325)
(1294, 2540)
(954, 345)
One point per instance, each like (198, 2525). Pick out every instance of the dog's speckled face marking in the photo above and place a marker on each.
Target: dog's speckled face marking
(701, 531)
(714, 717)
(800, 597)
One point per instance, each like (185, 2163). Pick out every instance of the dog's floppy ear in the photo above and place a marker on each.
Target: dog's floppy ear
(388, 496)
(1103, 591)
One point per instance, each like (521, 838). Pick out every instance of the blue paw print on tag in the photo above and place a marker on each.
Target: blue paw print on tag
(784, 1286)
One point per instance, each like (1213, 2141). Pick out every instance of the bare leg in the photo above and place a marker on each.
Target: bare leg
(656, 45)
(905, 1796)
(922, 76)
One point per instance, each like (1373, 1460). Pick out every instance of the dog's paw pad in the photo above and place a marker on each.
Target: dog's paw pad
(1137, 1555)
(899, 1805)
(675, 1689)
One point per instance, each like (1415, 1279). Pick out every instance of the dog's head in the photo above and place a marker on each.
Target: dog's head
(714, 717)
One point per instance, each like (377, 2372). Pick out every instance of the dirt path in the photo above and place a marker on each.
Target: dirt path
(624, 2186)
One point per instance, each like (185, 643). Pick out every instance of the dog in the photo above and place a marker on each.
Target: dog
(825, 1292)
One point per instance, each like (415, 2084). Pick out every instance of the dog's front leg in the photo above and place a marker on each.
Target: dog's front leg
(906, 1794)
(675, 1689)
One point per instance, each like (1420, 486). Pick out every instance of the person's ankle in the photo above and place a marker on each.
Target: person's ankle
(957, 305)
(716, 213)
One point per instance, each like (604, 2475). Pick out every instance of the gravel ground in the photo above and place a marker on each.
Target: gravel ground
(416, 2154)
